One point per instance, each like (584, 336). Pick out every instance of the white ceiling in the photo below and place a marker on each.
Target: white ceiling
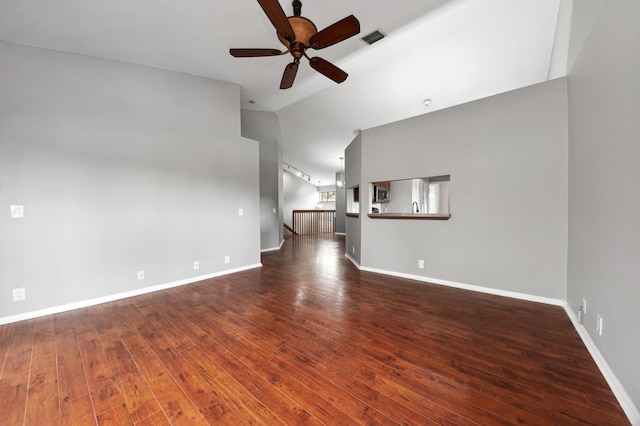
(450, 51)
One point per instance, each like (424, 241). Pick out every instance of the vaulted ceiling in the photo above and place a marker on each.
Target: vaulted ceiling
(449, 51)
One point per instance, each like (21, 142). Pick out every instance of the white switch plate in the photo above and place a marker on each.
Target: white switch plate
(17, 211)
(353, 249)
(421, 264)
(196, 265)
(274, 210)
(19, 294)
(599, 325)
(240, 212)
(584, 306)
(140, 275)
(227, 259)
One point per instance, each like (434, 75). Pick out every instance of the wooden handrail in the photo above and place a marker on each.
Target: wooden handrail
(290, 229)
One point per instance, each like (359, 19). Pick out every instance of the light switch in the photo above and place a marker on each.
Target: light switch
(17, 211)
(240, 212)
(274, 210)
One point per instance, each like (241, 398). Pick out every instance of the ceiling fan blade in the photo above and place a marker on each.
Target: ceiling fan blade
(289, 75)
(276, 15)
(327, 69)
(341, 30)
(252, 53)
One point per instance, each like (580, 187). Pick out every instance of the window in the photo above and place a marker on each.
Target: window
(327, 196)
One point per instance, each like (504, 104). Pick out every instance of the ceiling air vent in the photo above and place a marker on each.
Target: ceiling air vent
(373, 37)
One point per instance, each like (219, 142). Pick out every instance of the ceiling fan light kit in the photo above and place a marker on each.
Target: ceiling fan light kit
(298, 34)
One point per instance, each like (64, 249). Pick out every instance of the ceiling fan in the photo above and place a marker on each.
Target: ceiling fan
(299, 34)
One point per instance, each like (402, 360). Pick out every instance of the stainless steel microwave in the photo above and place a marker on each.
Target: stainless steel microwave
(380, 194)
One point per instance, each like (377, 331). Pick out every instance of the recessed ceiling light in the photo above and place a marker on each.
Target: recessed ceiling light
(426, 102)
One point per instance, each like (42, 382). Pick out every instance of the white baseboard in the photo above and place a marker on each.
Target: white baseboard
(480, 289)
(267, 250)
(119, 296)
(340, 233)
(273, 248)
(352, 260)
(616, 387)
(623, 397)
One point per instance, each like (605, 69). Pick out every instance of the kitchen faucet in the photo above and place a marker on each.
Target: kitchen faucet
(417, 209)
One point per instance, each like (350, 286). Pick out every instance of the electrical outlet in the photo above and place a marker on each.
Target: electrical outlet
(421, 264)
(240, 212)
(584, 306)
(274, 210)
(17, 212)
(196, 265)
(140, 275)
(581, 315)
(227, 259)
(599, 325)
(19, 294)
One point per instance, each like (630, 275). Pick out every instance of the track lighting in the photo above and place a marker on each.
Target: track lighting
(289, 168)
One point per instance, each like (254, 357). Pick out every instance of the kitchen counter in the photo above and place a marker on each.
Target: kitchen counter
(414, 216)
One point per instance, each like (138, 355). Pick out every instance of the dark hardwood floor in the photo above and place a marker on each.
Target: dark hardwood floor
(306, 339)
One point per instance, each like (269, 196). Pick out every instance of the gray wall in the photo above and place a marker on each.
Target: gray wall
(507, 157)
(264, 127)
(604, 175)
(299, 194)
(353, 178)
(120, 168)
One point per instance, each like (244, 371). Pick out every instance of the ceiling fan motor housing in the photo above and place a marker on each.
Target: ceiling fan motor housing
(303, 30)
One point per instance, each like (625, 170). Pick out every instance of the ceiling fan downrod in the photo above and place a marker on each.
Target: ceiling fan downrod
(297, 7)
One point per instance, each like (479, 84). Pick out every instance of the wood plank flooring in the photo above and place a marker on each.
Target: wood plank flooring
(306, 339)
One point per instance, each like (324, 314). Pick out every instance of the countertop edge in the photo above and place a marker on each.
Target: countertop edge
(410, 216)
